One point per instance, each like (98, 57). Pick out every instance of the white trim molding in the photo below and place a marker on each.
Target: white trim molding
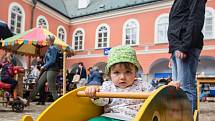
(156, 37)
(44, 18)
(73, 38)
(108, 35)
(23, 15)
(212, 12)
(137, 34)
(65, 33)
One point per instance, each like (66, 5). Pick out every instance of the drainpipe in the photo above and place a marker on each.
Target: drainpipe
(31, 25)
(32, 12)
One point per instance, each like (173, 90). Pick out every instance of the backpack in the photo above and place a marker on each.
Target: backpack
(59, 60)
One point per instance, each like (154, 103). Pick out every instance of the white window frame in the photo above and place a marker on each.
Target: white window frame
(137, 34)
(156, 37)
(44, 18)
(212, 11)
(97, 35)
(73, 39)
(65, 33)
(13, 4)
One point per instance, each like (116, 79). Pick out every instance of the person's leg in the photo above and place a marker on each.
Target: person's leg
(40, 84)
(186, 73)
(194, 60)
(174, 68)
(51, 78)
(42, 94)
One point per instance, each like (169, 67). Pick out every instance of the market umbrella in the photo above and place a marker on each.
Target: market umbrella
(32, 42)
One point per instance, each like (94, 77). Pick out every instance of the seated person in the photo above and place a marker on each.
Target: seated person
(34, 73)
(95, 78)
(122, 68)
(7, 73)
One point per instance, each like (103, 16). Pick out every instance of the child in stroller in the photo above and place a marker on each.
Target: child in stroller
(8, 83)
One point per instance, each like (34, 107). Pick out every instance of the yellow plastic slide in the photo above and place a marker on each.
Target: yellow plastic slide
(164, 104)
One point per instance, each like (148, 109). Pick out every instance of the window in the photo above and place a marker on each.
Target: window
(131, 32)
(61, 33)
(102, 36)
(16, 18)
(78, 39)
(161, 27)
(208, 25)
(42, 22)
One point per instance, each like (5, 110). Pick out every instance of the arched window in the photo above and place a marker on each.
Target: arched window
(208, 29)
(16, 19)
(42, 22)
(161, 27)
(131, 32)
(102, 36)
(61, 33)
(78, 39)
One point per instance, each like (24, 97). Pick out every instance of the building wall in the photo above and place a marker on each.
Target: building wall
(54, 19)
(147, 51)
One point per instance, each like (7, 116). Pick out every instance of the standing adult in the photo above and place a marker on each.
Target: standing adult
(42, 93)
(50, 70)
(186, 20)
(83, 74)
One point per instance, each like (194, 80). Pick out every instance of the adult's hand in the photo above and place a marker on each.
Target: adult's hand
(180, 55)
(176, 84)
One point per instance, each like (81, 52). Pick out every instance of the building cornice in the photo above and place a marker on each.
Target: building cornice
(123, 12)
(139, 52)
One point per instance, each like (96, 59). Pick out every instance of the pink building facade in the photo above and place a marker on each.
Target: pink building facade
(141, 26)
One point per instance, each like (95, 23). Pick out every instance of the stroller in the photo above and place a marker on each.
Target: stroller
(30, 81)
(17, 103)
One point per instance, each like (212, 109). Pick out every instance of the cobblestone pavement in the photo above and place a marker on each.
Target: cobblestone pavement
(34, 110)
(207, 111)
(206, 114)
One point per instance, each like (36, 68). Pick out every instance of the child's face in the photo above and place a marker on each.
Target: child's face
(122, 76)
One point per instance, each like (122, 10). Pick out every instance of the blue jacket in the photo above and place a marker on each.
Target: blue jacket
(50, 58)
(95, 78)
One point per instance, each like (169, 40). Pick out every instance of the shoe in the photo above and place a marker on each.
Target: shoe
(40, 103)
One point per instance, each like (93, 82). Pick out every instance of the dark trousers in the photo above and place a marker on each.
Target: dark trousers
(50, 77)
(42, 94)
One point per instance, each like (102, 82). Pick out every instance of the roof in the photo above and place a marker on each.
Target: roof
(69, 8)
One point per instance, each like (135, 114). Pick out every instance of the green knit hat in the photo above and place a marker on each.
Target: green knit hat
(122, 54)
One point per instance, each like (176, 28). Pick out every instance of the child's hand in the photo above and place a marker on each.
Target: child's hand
(91, 91)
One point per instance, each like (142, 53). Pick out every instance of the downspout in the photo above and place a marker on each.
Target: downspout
(32, 13)
(31, 26)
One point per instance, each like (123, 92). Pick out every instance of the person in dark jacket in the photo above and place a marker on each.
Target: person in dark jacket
(186, 20)
(83, 74)
(50, 70)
